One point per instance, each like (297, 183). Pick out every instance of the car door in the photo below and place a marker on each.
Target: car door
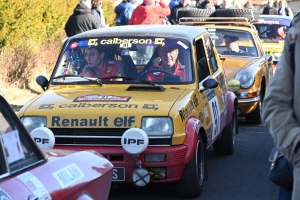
(210, 108)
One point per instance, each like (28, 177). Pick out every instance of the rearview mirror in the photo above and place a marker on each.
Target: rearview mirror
(209, 84)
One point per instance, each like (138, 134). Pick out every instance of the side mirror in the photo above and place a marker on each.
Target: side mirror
(42, 81)
(209, 84)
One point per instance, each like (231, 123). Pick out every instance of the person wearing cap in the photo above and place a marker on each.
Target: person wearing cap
(232, 45)
(150, 12)
(98, 66)
(168, 61)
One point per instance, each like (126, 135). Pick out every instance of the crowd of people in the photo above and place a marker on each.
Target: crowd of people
(88, 14)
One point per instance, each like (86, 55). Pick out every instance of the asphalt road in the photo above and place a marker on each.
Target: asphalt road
(240, 176)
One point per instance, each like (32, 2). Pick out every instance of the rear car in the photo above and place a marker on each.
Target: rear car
(152, 123)
(268, 27)
(27, 172)
(249, 73)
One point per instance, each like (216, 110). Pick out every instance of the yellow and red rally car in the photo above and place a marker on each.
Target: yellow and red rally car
(248, 69)
(151, 99)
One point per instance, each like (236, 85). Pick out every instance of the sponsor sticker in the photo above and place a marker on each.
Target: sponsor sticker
(106, 98)
(68, 175)
(12, 145)
(35, 186)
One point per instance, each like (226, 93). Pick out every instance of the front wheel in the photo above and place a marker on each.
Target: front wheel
(191, 183)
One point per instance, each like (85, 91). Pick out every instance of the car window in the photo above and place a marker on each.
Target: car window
(211, 55)
(125, 57)
(18, 148)
(234, 42)
(272, 29)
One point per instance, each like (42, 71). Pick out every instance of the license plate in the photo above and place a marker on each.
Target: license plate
(118, 174)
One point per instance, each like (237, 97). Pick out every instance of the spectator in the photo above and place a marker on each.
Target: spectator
(217, 4)
(98, 12)
(173, 3)
(284, 9)
(82, 19)
(135, 3)
(123, 12)
(149, 12)
(207, 4)
(249, 5)
(182, 4)
(270, 9)
(227, 4)
(281, 112)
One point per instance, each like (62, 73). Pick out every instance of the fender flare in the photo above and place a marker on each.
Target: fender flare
(231, 103)
(192, 130)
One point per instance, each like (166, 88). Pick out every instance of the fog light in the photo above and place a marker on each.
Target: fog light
(158, 173)
(140, 176)
(155, 157)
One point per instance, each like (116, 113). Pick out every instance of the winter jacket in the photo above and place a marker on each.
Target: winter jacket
(286, 11)
(281, 110)
(270, 11)
(173, 16)
(81, 20)
(149, 14)
(123, 13)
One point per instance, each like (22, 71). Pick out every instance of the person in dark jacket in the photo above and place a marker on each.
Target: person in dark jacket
(82, 19)
(123, 12)
(270, 9)
(182, 5)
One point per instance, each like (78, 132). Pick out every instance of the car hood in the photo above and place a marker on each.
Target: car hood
(63, 105)
(272, 47)
(232, 65)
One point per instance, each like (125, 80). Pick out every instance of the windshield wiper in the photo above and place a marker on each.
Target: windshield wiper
(131, 79)
(93, 80)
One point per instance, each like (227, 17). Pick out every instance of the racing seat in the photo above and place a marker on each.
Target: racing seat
(130, 68)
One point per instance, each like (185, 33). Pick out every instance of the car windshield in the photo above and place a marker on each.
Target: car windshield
(233, 42)
(272, 29)
(124, 60)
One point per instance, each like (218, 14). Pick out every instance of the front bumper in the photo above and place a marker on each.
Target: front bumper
(247, 106)
(173, 164)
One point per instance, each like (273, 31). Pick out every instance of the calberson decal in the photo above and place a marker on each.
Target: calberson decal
(98, 105)
(107, 98)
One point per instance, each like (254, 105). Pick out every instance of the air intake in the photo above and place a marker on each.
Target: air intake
(146, 88)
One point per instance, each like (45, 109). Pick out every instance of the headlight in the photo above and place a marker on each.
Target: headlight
(246, 78)
(276, 56)
(157, 126)
(31, 123)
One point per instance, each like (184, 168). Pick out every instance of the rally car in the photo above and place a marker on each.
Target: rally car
(151, 99)
(27, 172)
(248, 68)
(272, 30)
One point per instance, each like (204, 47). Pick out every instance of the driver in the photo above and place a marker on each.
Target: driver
(100, 67)
(232, 45)
(169, 62)
(278, 32)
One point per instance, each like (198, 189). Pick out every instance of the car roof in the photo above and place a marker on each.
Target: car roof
(275, 17)
(176, 31)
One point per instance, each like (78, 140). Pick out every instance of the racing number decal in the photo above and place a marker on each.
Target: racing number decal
(215, 111)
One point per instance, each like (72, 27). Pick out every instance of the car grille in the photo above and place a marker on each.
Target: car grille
(98, 137)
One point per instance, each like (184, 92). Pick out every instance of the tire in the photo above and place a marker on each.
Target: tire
(191, 183)
(251, 14)
(195, 13)
(226, 144)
